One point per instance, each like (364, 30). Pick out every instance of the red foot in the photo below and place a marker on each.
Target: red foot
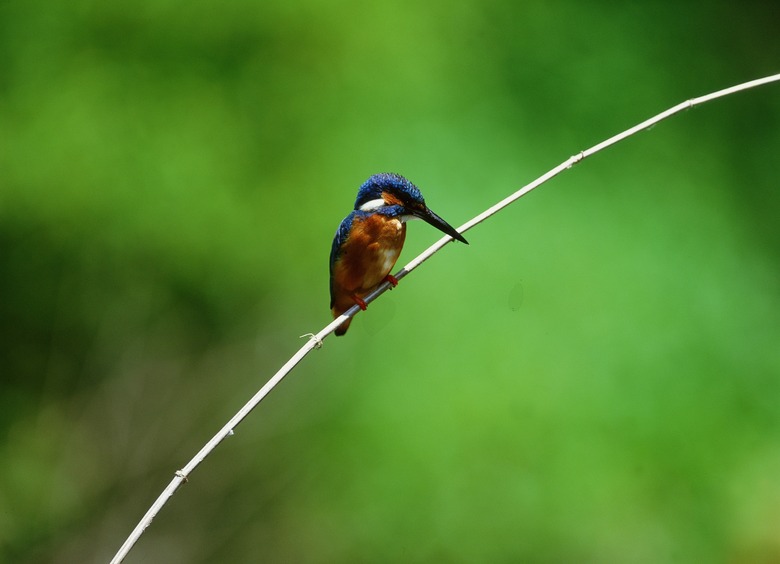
(360, 302)
(392, 279)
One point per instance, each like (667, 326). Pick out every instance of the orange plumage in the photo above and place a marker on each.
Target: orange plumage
(364, 260)
(369, 240)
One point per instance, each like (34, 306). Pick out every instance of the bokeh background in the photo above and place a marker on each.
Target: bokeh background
(595, 378)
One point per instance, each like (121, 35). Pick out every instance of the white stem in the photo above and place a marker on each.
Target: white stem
(315, 341)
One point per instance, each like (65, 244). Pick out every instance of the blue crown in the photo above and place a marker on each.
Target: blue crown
(390, 182)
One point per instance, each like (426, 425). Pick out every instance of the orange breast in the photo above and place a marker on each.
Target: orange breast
(369, 254)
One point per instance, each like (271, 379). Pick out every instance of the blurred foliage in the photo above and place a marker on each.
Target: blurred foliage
(596, 378)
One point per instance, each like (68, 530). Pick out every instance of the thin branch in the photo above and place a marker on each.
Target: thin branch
(316, 341)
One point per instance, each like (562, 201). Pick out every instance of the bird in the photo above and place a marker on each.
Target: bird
(369, 240)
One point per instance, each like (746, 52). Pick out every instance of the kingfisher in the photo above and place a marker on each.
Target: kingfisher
(369, 240)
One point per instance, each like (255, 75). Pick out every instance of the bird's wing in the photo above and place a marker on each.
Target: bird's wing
(338, 242)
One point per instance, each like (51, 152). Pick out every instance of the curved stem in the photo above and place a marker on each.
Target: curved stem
(315, 341)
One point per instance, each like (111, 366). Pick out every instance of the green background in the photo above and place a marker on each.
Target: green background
(595, 378)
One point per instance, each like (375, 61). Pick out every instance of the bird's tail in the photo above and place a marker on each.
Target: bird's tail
(343, 327)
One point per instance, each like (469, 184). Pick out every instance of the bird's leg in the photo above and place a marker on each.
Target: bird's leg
(359, 301)
(393, 280)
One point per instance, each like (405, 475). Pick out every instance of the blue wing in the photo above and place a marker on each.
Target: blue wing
(340, 238)
(338, 242)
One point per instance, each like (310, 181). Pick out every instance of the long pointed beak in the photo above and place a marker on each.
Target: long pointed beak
(429, 217)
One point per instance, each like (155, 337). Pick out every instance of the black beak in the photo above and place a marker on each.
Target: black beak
(429, 217)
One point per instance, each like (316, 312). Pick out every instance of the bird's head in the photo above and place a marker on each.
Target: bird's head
(392, 194)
